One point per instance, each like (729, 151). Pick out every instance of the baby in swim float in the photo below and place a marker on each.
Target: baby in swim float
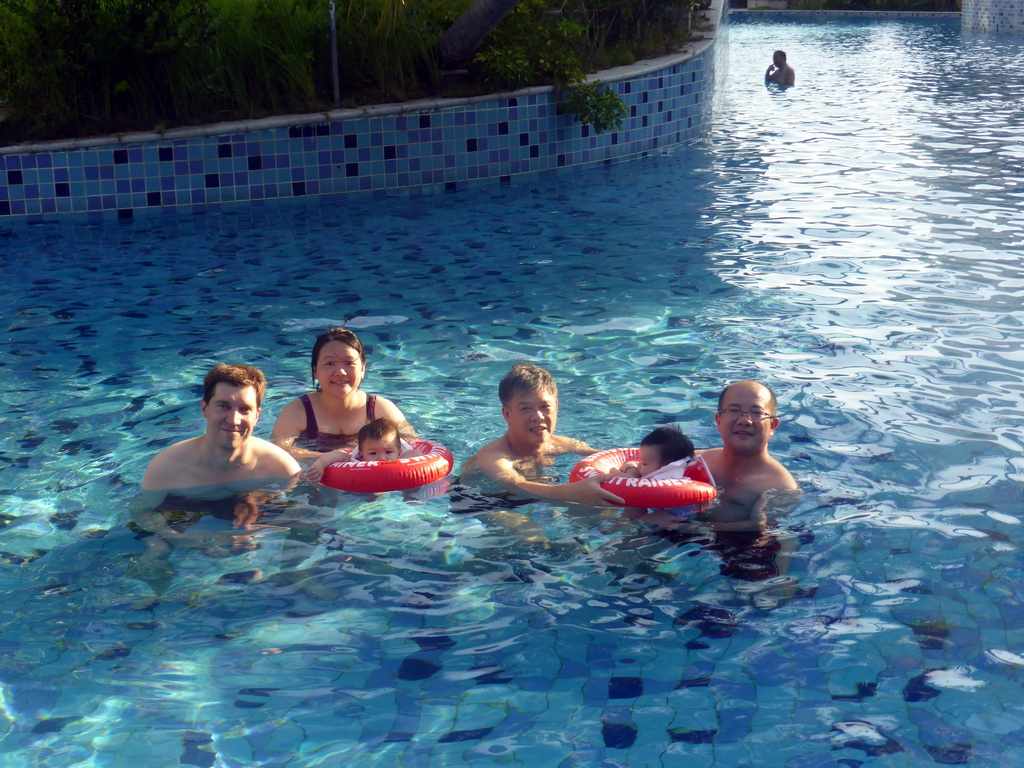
(663, 446)
(379, 440)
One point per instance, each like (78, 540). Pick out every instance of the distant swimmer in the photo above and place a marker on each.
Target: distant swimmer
(779, 72)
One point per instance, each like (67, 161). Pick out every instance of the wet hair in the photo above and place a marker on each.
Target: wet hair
(237, 376)
(525, 377)
(343, 335)
(671, 443)
(379, 429)
(773, 403)
(781, 55)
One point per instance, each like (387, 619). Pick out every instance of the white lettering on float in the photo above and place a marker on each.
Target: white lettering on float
(375, 464)
(643, 482)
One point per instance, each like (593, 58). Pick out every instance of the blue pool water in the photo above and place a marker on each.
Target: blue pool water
(854, 241)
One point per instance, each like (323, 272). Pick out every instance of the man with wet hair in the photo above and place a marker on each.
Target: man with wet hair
(227, 453)
(529, 404)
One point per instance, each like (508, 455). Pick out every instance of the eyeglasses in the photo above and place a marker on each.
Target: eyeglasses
(754, 415)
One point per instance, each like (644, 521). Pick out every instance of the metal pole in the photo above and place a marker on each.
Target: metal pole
(334, 52)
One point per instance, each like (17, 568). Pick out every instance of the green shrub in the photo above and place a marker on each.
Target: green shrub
(100, 62)
(595, 105)
(542, 42)
(75, 67)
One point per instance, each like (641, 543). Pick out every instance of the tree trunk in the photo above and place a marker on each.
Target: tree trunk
(461, 39)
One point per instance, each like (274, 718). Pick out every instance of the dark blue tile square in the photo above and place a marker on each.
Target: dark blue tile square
(351, 141)
(351, 169)
(120, 156)
(223, 150)
(166, 154)
(14, 177)
(212, 180)
(625, 687)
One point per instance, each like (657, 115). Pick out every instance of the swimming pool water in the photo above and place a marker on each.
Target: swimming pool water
(854, 241)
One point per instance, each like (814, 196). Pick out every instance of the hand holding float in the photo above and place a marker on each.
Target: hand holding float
(695, 487)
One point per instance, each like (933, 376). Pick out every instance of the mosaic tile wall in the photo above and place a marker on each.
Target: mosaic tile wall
(445, 145)
(841, 14)
(994, 15)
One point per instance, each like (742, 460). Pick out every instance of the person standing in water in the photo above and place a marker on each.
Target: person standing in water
(227, 452)
(529, 405)
(779, 72)
(330, 417)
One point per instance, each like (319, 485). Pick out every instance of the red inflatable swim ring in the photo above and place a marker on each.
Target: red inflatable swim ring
(380, 476)
(697, 486)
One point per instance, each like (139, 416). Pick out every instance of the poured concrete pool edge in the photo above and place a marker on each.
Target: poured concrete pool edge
(412, 148)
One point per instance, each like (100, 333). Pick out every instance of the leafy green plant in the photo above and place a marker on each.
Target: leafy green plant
(98, 62)
(595, 105)
(75, 67)
(505, 67)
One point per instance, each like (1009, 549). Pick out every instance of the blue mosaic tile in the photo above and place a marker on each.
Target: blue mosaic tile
(449, 147)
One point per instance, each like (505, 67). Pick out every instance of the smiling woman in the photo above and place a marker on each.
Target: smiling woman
(330, 417)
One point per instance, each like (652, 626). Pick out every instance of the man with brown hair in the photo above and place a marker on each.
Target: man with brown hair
(227, 453)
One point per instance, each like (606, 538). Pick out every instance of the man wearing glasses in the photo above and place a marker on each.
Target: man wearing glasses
(748, 476)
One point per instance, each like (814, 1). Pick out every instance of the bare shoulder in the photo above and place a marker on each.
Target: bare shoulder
(780, 477)
(388, 409)
(272, 460)
(562, 444)
(713, 458)
(493, 452)
(171, 463)
(290, 422)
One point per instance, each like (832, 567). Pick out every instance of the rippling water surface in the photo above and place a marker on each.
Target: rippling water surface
(854, 241)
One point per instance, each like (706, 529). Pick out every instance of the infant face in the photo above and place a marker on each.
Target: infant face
(650, 460)
(374, 449)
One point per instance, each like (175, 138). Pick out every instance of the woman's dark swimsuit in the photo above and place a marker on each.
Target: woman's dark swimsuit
(313, 439)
